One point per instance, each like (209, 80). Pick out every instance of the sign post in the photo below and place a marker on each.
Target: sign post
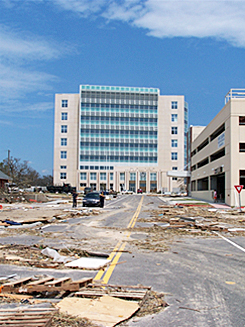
(239, 188)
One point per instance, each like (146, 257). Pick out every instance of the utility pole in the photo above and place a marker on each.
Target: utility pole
(8, 162)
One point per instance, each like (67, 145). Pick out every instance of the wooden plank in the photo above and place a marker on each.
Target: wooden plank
(26, 324)
(28, 310)
(125, 295)
(19, 282)
(41, 281)
(14, 286)
(23, 317)
(82, 281)
(64, 284)
(29, 314)
(108, 290)
(10, 324)
(24, 320)
(120, 286)
(16, 296)
(59, 281)
(47, 288)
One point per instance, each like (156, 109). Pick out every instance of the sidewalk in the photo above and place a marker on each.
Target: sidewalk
(220, 206)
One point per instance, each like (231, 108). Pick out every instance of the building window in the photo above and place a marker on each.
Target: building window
(174, 130)
(63, 154)
(174, 178)
(241, 147)
(193, 185)
(64, 103)
(133, 176)
(62, 167)
(63, 128)
(122, 177)
(174, 105)
(174, 168)
(64, 116)
(111, 176)
(62, 175)
(143, 176)
(93, 176)
(218, 131)
(203, 162)
(203, 144)
(153, 177)
(103, 176)
(174, 143)
(174, 118)
(203, 184)
(174, 155)
(194, 167)
(63, 142)
(217, 155)
(242, 177)
(83, 176)
(241, 120)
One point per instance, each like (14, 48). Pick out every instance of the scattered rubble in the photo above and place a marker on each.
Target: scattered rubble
(81, 302)
(35, 256)
(153, 233)
(22, 316)
(168, 221)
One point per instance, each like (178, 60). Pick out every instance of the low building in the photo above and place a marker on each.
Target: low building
(218, 153)
(3, 179)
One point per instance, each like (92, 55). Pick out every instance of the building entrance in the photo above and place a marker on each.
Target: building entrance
(218, 184)
(143, 186)
(132, 186)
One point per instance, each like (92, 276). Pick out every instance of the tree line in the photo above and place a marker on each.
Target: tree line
(22, 174)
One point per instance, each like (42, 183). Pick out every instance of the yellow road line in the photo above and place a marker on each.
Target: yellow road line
(113, 265)
(117, 251)
(101, 272)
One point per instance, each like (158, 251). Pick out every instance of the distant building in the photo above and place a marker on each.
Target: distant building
(218, 153)
(109, 137)
(3, 179)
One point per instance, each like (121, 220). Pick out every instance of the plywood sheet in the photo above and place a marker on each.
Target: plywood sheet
(106, 311)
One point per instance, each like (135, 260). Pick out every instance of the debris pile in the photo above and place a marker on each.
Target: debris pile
(39, 317)
(36, 256)
(165, 223)
(193, 218)
(80, 303)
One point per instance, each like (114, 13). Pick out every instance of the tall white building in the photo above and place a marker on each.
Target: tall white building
(110, 137)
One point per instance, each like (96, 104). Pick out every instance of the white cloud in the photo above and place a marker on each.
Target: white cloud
(218, 19)
(5, 122)
(196, 18)
(23, 45)
(15, 81)
(17, 106)
(84, 7)
(17, 78)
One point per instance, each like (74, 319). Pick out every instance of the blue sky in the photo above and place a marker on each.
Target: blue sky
(192, 48)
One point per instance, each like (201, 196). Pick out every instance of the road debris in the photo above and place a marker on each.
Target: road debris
(55, 255)
(22, 316)
(106, 311)
(110, 304)
(88, 263)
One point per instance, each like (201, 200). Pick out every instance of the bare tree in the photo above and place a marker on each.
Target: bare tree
(22, 174)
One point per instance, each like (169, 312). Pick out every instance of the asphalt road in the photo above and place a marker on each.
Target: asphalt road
(203, 278)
